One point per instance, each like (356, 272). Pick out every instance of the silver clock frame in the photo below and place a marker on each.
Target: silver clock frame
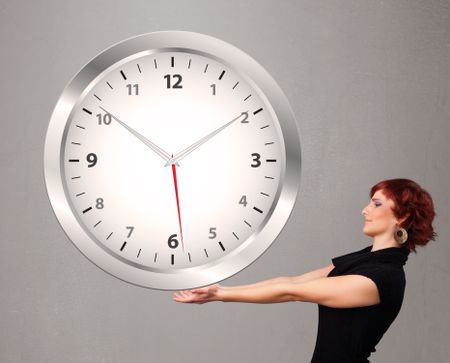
(248, 251)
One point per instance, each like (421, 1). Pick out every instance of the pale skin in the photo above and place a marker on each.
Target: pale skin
(315, 287)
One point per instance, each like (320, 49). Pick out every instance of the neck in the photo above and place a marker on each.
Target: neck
(384, 241)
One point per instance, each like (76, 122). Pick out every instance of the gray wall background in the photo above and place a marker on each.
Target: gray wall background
(369, 84)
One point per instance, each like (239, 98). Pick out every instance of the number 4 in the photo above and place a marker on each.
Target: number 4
(243, 200)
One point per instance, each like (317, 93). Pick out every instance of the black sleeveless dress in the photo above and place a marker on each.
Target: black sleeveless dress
(351, 334)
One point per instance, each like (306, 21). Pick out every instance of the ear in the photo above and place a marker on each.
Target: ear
(401, 220)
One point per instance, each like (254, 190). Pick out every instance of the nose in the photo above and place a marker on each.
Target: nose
(364, 212)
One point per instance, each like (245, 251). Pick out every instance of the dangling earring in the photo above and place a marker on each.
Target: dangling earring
(400, 235)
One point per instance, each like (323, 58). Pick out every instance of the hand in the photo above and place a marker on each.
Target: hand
(194, 146)
(198, 296)
(165, 155)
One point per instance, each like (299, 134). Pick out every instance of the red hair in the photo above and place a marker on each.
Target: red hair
(415, 203)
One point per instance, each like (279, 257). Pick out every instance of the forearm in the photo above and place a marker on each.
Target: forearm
(260, 293)
(276, 280)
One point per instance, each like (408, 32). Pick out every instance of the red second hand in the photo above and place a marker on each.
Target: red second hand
(174, 172)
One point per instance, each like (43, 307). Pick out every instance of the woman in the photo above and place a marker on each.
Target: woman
(359, 294)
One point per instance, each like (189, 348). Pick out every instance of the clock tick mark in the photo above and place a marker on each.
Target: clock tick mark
(205, 68)
(258, 111)
(81, 127)
(268, 177)
(76, 143)
(206, 253)
(79, 194)
(189, 255)
(156, 255)
(271, 160)
(96, 224)
(87, 111)
(189, 64)
(139, 253)
(109, 85)
(123, 246)
(173, 259)
(139, 68)
(235, 236)
(156, 65)
(98, 98)
(221, 75)
(268, 143)
(109, 235)
(267, 195)
(221, 246)
(235, 85)
(248, 224)
(264, 127)
(257, 209)
(123, 75)
(76, 177)
(87, 210)
(74, 160)
(172, 62)
(246, 98)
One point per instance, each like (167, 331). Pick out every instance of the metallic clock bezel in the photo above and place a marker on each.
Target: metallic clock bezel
(248, 251)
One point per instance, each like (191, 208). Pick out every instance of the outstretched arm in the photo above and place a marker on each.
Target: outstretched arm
(338, 292)
(209, 293)
(312, 275)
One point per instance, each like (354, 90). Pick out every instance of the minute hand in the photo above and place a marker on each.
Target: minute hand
(194, 146)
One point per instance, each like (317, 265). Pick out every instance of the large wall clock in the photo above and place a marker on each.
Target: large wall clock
(172, 160)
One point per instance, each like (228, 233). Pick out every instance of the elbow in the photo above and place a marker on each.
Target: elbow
(300, 293)
(291, 292)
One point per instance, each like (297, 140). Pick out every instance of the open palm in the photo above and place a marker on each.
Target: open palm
(197, 296)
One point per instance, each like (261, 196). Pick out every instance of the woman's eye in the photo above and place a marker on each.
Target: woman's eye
(377, 205)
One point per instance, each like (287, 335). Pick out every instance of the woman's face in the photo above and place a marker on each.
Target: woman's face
(378, 215)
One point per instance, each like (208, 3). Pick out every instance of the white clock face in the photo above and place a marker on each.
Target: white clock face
(125, 194)
(172, 162)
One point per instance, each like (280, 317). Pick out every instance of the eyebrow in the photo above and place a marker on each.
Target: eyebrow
(374, 199)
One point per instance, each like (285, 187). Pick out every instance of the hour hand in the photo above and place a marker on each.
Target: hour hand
(165, 155)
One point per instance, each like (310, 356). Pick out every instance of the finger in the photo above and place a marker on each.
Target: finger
(199, 291)
(183, 297)
(179, 296)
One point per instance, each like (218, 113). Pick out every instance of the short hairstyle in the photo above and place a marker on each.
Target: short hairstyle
(415, 203)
